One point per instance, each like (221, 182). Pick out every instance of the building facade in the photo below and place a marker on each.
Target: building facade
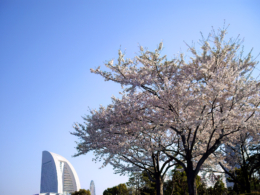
(209, 177)
(57, 175)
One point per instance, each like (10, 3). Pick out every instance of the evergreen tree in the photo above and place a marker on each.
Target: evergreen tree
(141, 184)
(120, 189)
(81, 192)
(219, 187)
(178, 183)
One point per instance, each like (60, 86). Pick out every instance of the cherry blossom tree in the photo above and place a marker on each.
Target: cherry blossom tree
(128, 147)
(174, 111)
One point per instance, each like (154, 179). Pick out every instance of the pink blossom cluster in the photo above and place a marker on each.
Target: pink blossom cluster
(174, 111)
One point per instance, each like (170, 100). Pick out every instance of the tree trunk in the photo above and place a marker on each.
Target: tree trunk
(236, 188)
(191, 186)
(244, 169)
(191, 179)
(159, 186)
(248, 187)
(254, 179)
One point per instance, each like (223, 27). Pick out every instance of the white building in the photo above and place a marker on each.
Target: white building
(58, 176)
(209, 177)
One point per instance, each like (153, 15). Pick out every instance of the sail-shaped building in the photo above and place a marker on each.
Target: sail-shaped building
(58, 175)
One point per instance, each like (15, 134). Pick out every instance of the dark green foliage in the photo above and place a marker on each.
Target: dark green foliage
(109, 191)
(121, 189)
(218, 189)
(141, 184)
(148, 187)
(81, 192)
(240, 181)
(242, 178)
(178, 183)
(202, 189)
(231, 191)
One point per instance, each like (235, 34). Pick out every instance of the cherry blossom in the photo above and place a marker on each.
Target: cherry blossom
(174, 111)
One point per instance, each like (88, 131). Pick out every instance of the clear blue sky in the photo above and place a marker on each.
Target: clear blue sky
(46, 50)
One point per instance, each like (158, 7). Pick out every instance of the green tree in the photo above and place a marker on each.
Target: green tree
(120, 189)
(81, 192)
(179, 180)
(107, 192)
(202, 189)
(111, 191)
(178, 183)
(141, 184)
(219, 187)
(148, 187)
(134, 182)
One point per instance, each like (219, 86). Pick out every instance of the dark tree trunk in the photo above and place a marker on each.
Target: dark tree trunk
(244, 170)
(191, 186)
(159, 186)
(248, 187)
(191, 180)
(254, 179)
(247, 184)
(236, 188)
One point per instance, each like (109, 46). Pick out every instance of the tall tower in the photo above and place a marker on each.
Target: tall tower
(92, 188)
